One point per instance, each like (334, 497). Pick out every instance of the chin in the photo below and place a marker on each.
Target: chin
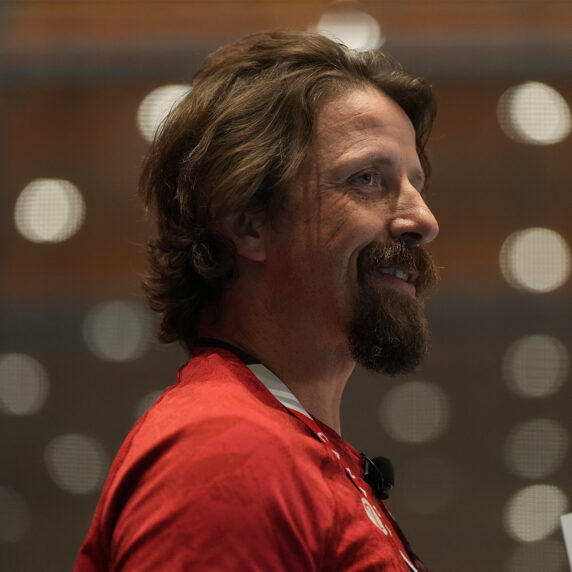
(389, 333)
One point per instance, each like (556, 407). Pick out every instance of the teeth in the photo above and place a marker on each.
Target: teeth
(397, 273)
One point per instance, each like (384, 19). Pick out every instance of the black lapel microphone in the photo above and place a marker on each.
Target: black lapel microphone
(379, 475)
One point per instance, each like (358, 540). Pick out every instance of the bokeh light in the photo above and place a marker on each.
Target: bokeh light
(535, 260)
(24, 384)
(14, 515)
(533, 513)
(356, 29)
(156, 106)
(414, 412)
(534, 113)
(76, 463)
(535, 366)
(49, 210)
(536, 448)
(117, 330)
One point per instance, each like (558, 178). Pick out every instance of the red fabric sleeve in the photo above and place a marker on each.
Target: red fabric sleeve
(196, 501)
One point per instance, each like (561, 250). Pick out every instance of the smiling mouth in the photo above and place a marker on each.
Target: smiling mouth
(406, 276)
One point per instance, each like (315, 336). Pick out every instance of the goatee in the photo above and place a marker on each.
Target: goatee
(389, 332)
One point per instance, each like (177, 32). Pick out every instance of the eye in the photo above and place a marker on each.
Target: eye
(367, 179)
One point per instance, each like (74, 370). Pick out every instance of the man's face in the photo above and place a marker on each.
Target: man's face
(344, 259)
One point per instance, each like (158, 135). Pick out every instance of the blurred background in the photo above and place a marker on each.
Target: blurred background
(480, 435)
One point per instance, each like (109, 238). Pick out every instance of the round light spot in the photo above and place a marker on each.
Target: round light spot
(534, 113)
(414, 412)
(429, 485)
(535, 260)
(535, 366)
(49, 210)
(357, 30)
(546, 555)
(156, 106)
(76, 463)
(146, 401)
(533, 513)
(117, 330)
(14, 515)
(536, 448)
(23, 384)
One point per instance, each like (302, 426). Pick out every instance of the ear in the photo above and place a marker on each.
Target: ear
(246, 229)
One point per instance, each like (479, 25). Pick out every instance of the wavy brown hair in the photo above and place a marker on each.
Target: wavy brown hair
(234, 142)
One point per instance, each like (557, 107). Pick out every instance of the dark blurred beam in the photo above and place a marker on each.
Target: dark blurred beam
(467, 57)
(99, 40)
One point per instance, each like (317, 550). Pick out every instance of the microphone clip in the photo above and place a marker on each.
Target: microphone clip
(378, 473)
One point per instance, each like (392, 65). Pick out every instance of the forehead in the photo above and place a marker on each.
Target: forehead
(362, 119)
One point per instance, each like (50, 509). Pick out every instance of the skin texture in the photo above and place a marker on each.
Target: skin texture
(298, 283)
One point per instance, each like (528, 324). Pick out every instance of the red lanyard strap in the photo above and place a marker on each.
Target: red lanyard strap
(283, 394)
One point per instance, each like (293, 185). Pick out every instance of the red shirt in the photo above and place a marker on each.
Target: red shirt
(218, 475)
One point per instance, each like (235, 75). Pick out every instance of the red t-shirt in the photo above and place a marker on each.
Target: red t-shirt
(218, 475)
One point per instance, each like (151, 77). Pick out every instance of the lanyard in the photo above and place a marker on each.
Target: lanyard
(283, 394)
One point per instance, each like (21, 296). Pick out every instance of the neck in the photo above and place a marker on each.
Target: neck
(315, 372)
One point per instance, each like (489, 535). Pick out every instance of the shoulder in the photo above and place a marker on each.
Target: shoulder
(208, 461)
(218, 402)
(219, 427)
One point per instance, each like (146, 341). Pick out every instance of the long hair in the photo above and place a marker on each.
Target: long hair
(234, 142)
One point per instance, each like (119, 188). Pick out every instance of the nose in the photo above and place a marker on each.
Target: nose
(413, 221)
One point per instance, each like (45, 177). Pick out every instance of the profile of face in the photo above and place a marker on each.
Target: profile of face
(346, 257)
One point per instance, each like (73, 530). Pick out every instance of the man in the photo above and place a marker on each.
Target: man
(288, 190)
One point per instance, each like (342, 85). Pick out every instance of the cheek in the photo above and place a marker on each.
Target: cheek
(317, 248)
(288, 265)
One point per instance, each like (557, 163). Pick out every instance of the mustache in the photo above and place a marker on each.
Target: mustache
(403, 256)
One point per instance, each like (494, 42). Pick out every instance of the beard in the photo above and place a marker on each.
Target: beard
(389, 333)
